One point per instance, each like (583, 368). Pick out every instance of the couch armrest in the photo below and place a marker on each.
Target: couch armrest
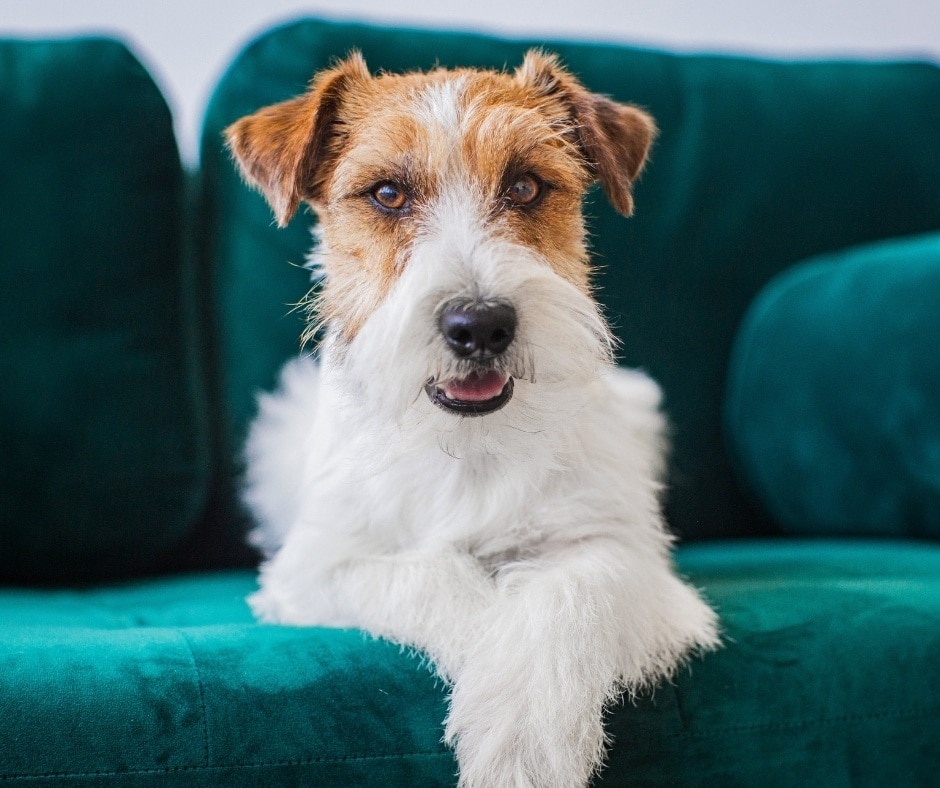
(104, 461)
(832, 409)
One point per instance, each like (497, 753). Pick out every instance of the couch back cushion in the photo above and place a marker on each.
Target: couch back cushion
(103, 466)
(758, 165)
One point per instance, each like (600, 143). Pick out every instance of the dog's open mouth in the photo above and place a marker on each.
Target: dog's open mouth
(476, 395)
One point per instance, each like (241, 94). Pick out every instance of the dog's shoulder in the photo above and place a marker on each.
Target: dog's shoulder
(276, 451)
(299, 379)
(634, 389)
(629, 423)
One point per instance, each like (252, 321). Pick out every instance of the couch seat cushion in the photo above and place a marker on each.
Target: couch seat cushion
(830, 676)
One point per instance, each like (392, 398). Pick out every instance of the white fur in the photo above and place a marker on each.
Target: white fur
(523, 551)
(439, 105)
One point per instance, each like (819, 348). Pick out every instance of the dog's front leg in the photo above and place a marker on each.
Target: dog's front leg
(432, 599)
(566, 636)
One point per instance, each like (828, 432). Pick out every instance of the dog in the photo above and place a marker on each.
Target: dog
(465, 471)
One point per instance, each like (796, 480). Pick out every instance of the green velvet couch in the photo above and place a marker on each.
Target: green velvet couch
(781, 278)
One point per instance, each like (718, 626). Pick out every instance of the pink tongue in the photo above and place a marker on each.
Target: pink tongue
(476, 388)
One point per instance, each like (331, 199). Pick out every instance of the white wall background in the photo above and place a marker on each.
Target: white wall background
(187, 43)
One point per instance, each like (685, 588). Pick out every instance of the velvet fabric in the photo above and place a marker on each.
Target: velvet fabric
(758, 165)
(104, 460)
(830, 677)
(834, 396)
(112, 393)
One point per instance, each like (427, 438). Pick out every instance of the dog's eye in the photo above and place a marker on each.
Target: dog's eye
(390, 196)
(525, 190)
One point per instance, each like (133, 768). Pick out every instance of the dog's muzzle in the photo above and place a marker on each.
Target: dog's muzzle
(476, 332)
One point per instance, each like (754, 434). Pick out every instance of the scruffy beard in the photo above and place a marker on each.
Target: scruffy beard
(397, 366)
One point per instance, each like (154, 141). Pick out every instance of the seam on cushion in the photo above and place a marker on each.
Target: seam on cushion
(225, 767)
(784, 726)
(202, 694)
(446, 754)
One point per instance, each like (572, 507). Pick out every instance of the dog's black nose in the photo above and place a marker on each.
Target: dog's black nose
(481, 330)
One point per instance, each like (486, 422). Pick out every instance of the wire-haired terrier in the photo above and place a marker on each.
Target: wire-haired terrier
(465, 471)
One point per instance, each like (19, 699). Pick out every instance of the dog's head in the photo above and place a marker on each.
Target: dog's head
(451, 233)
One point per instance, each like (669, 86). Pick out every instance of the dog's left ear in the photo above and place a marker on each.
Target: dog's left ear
(615, 138)
(285, 150)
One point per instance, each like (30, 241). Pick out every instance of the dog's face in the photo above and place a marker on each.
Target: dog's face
(451, 233)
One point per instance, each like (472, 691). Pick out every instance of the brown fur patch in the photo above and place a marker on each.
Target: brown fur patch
(424, 131)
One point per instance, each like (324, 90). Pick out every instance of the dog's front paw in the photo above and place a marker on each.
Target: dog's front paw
(513, 752)
(508, 733)
(265, 608)
(271, 605)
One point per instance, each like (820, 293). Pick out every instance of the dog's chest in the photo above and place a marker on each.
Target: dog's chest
(479, 502)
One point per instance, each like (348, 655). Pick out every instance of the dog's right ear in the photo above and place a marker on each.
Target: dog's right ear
(283, 150)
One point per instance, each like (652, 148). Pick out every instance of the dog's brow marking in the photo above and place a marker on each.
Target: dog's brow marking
(441, 104)
(444, 110)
